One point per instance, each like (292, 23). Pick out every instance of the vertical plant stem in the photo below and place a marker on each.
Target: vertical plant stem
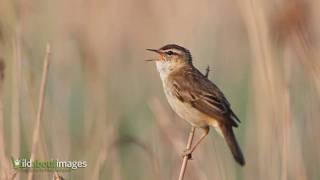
(267, 86)
(36, 131)
(186, 158)
(15, 112)
(15, 105)
(4, 163)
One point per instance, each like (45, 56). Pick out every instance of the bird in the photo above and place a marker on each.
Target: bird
(195, 98)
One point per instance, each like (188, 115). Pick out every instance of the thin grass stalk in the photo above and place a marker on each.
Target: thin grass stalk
(3, 160)
(16, 74)
(269, 89)
(164, 124)
(186, 158)
(15, 105)
(36, 131)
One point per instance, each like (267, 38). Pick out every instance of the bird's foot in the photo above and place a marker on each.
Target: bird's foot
(187, 153)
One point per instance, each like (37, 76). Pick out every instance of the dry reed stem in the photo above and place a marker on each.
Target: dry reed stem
(116, 170)
(308, 59)
(299, 40)
(292, 23)
(36, 131)
(16, 77)
(56, 176)
(31, 103)
(105, 151)
(3, 160)
(165, 125)
(13, 176)
(15, 105)
(186, 158)
(267, 82)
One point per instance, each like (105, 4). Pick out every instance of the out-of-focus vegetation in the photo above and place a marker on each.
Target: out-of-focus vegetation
(105, 105)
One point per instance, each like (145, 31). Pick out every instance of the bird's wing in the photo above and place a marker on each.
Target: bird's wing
(192, 87)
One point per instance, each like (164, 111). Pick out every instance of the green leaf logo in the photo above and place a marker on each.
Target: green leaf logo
(15, 162)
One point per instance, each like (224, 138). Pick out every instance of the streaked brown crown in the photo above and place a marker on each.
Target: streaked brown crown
(173, 49)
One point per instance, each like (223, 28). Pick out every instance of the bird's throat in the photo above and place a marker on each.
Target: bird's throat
(164, 68)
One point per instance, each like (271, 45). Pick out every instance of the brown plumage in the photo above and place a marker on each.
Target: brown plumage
(190, 86)
(195, 98)
(193, 87)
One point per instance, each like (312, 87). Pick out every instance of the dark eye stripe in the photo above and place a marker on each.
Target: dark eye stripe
(171, 53)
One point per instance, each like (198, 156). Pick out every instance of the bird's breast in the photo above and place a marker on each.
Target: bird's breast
(185, 110)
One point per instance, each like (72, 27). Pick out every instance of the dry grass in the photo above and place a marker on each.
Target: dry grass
(36, 137)
(186, 158)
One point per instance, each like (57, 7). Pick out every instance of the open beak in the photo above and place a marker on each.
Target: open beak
(156, 51)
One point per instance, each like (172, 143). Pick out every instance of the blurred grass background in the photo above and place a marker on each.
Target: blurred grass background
(105, 105)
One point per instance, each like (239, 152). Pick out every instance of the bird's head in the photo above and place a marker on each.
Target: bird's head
(171, 57)
(173, 53)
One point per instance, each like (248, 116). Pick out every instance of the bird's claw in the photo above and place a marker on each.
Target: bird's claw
(187, 153)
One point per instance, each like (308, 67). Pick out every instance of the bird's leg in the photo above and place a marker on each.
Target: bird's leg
(207, 71)
(188, 152)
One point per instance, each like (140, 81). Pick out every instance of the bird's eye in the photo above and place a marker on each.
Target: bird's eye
(169, 52)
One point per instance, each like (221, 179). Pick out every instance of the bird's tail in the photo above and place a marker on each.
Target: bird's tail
(230, 138)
